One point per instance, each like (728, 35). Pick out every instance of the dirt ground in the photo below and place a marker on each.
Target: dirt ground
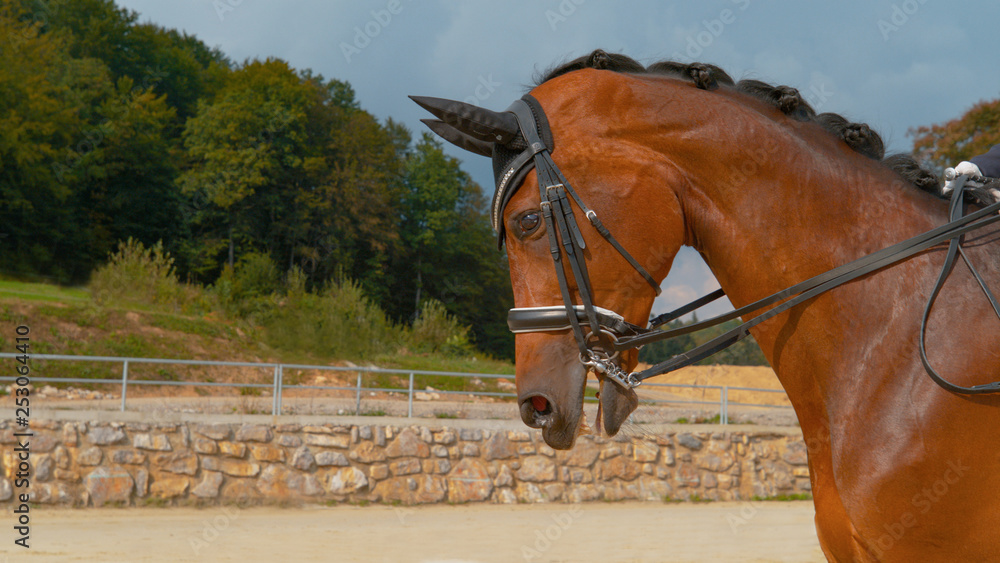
(600, 532)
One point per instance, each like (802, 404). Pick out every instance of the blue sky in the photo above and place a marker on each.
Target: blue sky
(895, 64)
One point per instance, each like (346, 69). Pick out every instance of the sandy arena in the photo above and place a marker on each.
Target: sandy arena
(604, 532)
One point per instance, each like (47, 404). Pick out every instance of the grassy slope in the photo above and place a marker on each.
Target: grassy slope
(67, 321)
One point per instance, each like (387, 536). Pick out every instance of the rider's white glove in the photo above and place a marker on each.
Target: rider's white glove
(960, 175)
(968, 168)
(963, 174)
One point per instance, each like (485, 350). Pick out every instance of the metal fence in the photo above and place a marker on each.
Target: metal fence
(278, 385)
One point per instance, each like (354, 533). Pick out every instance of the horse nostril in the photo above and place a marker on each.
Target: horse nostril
(541, 404)
(537, 411)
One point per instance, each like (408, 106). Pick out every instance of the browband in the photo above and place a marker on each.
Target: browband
(513, 161)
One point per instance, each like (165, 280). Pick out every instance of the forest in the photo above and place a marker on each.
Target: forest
(114, 129)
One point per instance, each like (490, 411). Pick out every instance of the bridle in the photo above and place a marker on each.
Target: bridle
(597, 330)
(602, 334)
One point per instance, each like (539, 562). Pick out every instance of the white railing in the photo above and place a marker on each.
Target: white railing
(278, 385)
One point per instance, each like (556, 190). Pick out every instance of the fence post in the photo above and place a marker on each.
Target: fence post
(124, 382)
(357, 407)
(724, 414)
(409, 406)
(276, 391)
(281, 386)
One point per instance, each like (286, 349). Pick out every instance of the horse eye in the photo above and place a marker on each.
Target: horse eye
(528, 223)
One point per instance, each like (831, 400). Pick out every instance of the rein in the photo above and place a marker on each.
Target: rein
(954, 249)
(953, 231)
(601, 334)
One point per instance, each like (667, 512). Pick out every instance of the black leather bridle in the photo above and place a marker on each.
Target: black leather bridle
(601, 334)
(596, 330)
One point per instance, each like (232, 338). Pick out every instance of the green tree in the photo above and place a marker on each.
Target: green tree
(449, 250)
(354, 204)
(663, 350)
(47, 102)
(744, 353)
(126, 178)
(107, 171)
(176, 65)
(947, 144)
(111, 129)
(246, 145)
(286, 163)
(173, 64)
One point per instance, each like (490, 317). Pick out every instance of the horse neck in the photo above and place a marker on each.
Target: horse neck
(787, 201)
(791, 202)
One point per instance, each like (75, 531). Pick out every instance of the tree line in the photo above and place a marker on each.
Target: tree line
(746, 352)
(113, 129)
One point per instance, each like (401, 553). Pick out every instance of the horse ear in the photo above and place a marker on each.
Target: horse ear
(479, 123)
(456, 137)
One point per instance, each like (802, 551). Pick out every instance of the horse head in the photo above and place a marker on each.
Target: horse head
(609, 182)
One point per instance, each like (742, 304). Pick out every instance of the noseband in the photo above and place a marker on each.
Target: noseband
(601, 334)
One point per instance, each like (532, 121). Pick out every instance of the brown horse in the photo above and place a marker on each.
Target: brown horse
(747, 175)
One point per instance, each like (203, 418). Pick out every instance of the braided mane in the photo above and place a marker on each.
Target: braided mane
(858, 136)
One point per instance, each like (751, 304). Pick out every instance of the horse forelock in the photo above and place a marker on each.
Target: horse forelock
(860, 137)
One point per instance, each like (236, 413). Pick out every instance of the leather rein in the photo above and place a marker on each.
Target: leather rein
(602, 334)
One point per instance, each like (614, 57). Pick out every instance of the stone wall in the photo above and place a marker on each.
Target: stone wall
(92, 463)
